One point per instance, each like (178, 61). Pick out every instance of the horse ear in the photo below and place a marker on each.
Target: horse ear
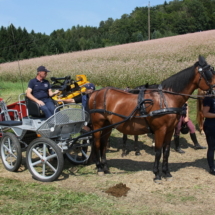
(202, 61)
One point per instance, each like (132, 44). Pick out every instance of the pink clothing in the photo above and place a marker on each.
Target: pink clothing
(179, 125)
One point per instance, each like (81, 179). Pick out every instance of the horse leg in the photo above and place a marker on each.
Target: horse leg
(156, 164)
(97, 146)
(124, 139)
(166, 152)
(165, 166)
(105, 134)
(158, 151)
(136, 147)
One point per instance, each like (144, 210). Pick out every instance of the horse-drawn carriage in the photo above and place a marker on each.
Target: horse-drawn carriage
(154, 109)
(46, 141)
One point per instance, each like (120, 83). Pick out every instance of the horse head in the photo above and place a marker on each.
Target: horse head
(207, 74)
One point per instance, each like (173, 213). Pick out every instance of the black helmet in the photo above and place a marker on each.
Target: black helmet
(184, 129)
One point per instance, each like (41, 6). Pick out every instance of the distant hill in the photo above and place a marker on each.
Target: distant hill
(130, 64)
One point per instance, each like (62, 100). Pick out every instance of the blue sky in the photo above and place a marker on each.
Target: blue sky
(45, 16)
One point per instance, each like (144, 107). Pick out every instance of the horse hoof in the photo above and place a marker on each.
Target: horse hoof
(100, 173)
(158, 181)
(106, 171)
(169, 178)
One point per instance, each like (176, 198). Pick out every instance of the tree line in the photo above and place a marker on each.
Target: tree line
(173, 18)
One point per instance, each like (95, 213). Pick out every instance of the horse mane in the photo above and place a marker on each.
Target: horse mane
(180, 80)
(147, 86)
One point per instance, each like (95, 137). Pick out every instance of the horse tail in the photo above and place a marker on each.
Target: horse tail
(199, 112)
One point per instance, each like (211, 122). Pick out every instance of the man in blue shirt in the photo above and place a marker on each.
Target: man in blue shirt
(39, 91)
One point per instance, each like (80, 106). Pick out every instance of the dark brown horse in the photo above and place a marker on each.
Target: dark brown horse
(151, 111)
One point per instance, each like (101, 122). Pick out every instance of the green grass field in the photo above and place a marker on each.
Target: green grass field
(119, 66)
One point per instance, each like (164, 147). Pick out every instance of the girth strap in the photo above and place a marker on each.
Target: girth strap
(165, 111)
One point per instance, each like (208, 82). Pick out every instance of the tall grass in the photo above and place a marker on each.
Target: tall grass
(122, 65)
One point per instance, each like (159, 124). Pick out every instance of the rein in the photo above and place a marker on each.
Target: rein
(182, 94)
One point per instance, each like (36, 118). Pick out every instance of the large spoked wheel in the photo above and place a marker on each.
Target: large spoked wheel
(11, 153)
(80, 152)
(44, 159)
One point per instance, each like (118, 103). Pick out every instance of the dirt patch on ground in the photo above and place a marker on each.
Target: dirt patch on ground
(118, 190)
(191, 190)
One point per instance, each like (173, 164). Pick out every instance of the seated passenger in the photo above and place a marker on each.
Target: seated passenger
(83, 99)
(39, 91)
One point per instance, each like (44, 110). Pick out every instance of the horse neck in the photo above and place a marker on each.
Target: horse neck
(183, 96)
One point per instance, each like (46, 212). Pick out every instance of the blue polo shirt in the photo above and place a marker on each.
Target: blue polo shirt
(39, 88)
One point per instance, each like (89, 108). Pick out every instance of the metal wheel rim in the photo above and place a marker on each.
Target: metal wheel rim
(80, 155)
(43, 159)
(9, 153)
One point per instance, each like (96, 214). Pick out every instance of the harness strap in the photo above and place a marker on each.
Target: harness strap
(165, 111)
(152, 113)
(106, 111)
(105, 94)
(162, 98)
(94, 102)
(140, 104)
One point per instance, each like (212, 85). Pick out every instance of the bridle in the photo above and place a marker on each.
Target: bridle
(206, 73)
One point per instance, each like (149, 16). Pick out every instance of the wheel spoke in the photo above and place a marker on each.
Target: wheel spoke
(4, 146)
(37, 153)
(36, 163)
(54, 169)
(44, 169)
(85, 155)
(44, 150)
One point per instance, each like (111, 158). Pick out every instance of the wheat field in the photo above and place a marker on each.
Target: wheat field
(130, 64)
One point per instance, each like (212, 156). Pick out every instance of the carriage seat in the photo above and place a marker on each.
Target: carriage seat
(33, 108)
(10, 123)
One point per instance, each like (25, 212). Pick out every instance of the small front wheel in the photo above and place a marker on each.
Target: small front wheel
(44, 159)
(80, 152)
(11, 153)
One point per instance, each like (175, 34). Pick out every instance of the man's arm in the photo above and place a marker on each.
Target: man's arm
(53, 93)
(30, 96)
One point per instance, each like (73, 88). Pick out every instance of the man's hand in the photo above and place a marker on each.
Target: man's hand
(40, 103)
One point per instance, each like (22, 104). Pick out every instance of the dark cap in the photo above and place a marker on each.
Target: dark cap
(90, 86)
(42, 69)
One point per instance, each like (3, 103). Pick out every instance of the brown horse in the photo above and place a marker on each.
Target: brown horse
(199, 113)
(151, 111)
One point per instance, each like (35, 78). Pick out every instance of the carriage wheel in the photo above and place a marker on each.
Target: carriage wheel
(80, 152)
(44, 159)
(11, 153)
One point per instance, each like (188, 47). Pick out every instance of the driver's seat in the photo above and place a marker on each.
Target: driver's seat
(33, 108)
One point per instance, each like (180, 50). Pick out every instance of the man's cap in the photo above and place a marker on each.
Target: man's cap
(42, 69)
(90, 86)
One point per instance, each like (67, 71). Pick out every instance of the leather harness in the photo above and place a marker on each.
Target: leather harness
(141, 106)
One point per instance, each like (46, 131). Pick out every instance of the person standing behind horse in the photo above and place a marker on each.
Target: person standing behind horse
(208, 126)
(185, 120)
(39, 91)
